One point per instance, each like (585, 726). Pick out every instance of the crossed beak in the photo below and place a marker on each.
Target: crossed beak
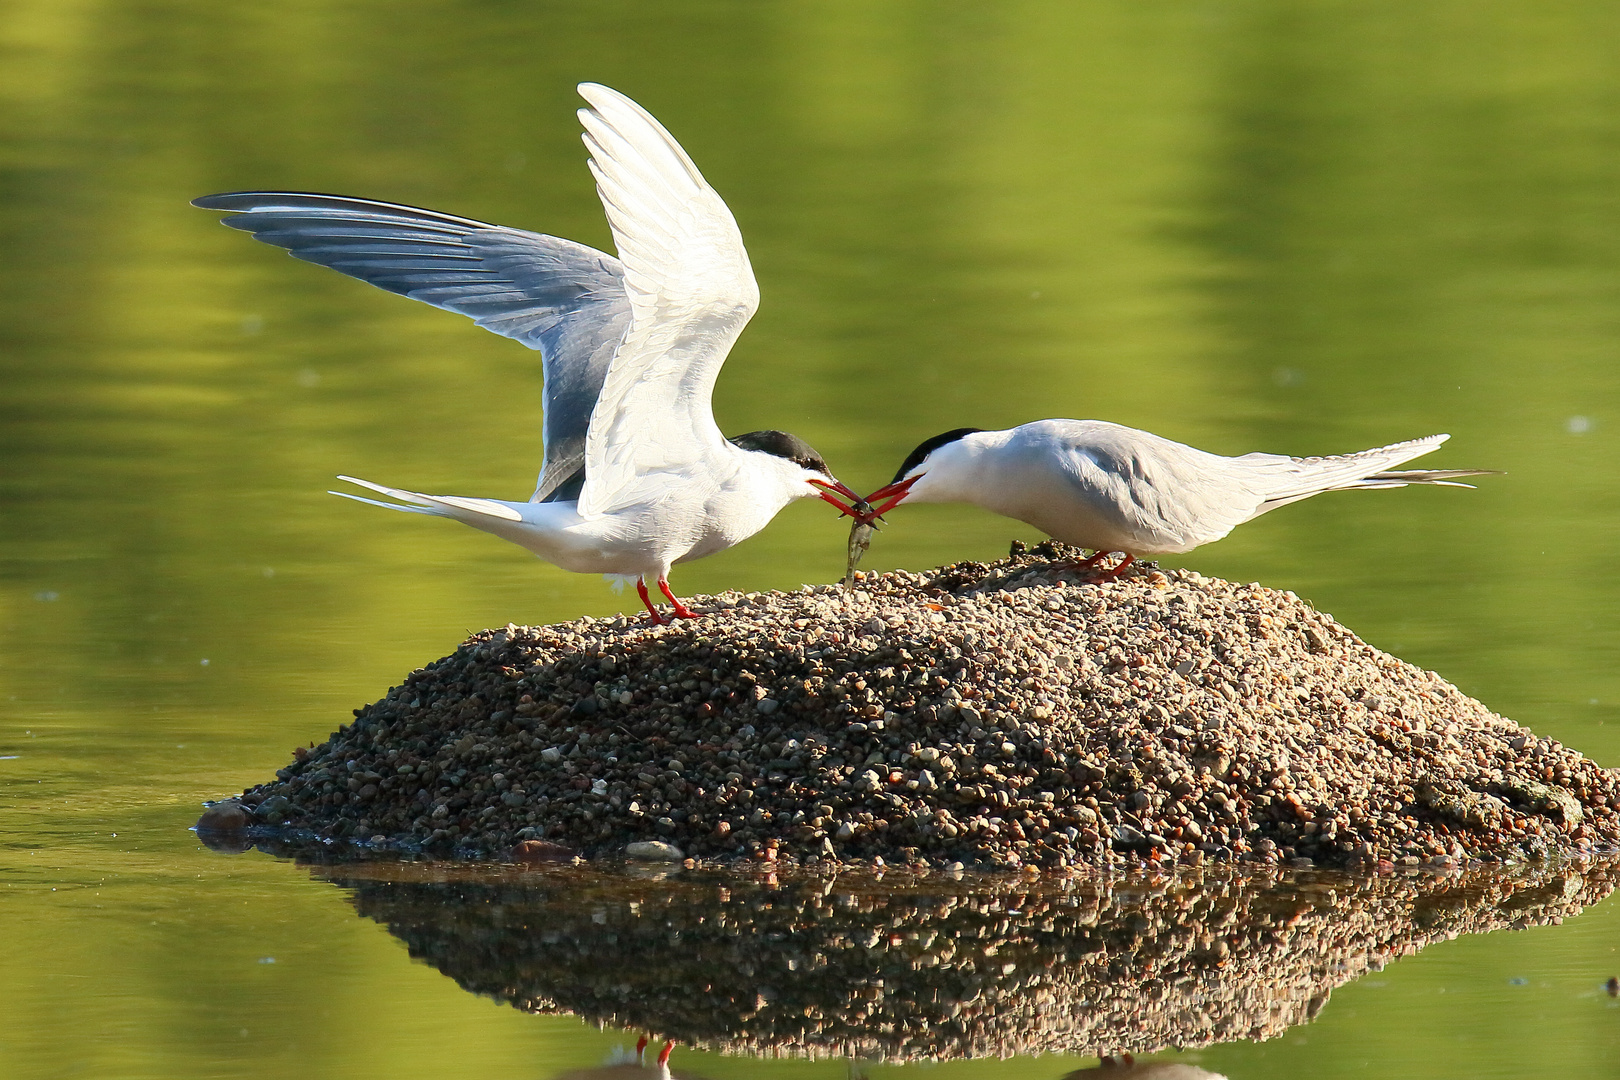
(872, 507)
(830, 488)
(888, 497)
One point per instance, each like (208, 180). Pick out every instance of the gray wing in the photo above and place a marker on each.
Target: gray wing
(562, 298)
(1159, 495)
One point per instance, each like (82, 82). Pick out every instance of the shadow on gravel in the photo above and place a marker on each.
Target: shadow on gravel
(902, 966)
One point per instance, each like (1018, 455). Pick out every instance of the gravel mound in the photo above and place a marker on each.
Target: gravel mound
(868, 966)
(998, 715)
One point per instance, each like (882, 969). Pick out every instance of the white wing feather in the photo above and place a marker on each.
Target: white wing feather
(691, 289)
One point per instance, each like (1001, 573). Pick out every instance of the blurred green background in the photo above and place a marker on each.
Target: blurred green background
(1303, 227)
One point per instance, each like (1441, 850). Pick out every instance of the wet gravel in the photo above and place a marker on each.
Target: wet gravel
(906, 966)
(998, 715)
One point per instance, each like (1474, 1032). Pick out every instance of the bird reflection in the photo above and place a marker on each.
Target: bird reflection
(631, 1066)
(1125, 1067)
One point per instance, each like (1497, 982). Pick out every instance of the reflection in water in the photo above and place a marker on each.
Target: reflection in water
(622, 1066)
(1126, 1069)
(937, 967)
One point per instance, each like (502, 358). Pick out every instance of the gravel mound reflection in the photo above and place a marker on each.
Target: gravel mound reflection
(901, 967)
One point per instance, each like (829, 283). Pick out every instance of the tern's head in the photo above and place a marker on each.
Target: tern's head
(796, 463)
(914, 468)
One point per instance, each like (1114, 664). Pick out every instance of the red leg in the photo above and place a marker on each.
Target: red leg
(1118, 569)
(652, 612)
(663, 1055)
(1086, 563)
(681, 610)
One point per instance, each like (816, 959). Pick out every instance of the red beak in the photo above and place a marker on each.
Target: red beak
(889, 496)
(830, 488)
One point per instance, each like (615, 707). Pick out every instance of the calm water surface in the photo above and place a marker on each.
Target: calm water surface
(1300, 227)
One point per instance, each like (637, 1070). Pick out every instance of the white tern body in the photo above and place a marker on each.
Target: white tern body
(1112, 488)
(636, 476)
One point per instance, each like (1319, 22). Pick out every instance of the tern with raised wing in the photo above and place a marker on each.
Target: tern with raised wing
(636, 475)
(1118, 490)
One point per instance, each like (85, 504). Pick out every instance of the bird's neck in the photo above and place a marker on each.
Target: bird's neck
(770, 481)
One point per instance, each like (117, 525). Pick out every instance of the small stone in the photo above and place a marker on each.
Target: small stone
(224, 817)
(654, 851)
(272, 810)
(1127, 835)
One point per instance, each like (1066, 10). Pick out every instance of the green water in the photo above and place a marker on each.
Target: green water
(1304, 227)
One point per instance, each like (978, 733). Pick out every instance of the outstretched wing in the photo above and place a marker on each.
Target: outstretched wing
(562, 298)
(691, 292)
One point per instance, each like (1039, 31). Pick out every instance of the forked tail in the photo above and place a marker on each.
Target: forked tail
(459, 507)
(1300, 478)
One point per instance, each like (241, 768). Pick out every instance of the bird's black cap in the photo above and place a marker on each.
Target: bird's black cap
(928, 446)
(781, 444)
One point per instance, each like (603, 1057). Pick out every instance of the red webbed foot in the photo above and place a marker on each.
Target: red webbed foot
(1087, 563)
(1113, 572)
(1092, 565)
(681, 611)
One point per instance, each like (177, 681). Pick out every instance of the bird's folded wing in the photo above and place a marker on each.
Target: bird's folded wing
(691, 292)
(562, 298)
(1170, 495)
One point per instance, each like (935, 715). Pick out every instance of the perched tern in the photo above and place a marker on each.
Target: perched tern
(1115, 489)
(636, 475)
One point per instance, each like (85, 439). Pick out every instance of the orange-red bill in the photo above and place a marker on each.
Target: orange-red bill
(829, 488)
(889, 496)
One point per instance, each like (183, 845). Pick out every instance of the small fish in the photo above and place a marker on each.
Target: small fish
(860, 538)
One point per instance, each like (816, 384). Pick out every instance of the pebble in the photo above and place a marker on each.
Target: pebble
(654, 851)
(1042, 719)
(227, 816)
